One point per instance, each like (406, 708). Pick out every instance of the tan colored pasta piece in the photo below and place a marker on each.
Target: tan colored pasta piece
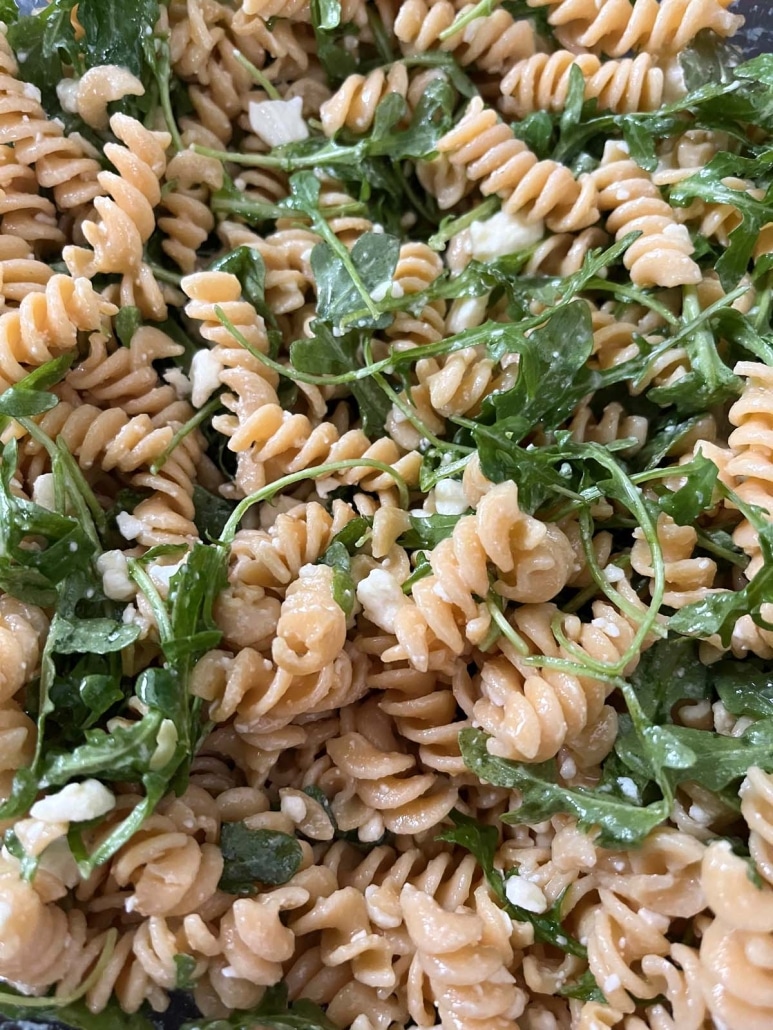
(688, 579)
(61, 163)
(751, 443)
(617, 26)
(541, 83)
(661, 255)
(489, 152)
(47, 324)
(126, 216)
(492, 41)
(20, 272)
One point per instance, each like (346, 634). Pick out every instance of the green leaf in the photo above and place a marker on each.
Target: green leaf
(255, 857)
(669, 672)
(584, 988)
(247, 264)
(324, 353)
(745, 688)
(212, 512)
(374, 257)
(126, 323)
(103, 45)
(76, 1015)
(536, 131)
(185, 967)
(619, 824)
(123, 754)
(707, 184)
(641, 142)
(551, 374)
(695, 495)
(91, 636)
(338, 558)
(427, 531)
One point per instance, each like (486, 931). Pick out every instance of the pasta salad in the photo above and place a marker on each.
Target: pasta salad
(386, 515)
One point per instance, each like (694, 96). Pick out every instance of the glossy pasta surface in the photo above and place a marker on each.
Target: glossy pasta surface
(386, 515)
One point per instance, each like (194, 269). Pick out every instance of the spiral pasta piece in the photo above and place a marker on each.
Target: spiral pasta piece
(489, 152)
(46, 324)
(111, 439)
(752, 444)
(464, 956)
(661, 255)
(492, 41)
(541, 83)
(126, 215)
(20, 272)
(190, 220)
(688, 579)
(59, 161)
(617, 26)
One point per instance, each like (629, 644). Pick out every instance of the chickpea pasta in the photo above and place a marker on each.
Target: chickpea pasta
(385, 516)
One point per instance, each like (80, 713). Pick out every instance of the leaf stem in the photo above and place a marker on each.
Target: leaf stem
(268, 87)
(480, 10)
(264, 494)
(201, 416)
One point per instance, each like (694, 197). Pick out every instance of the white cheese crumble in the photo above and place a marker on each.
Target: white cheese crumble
(449, 498)
(503, 234)
(43, 492)
(166, 742)
(75, 803)
(128, 526)
(627, 787)
(67, 94)
(525, 894)
(179, 381)
(611, 983)
(205, 377)
(293, 807)
(381, 598)
(278, 121)
(114, 571)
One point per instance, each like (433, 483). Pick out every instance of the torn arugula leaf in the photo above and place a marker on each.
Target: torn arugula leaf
(254, 857)
(619, 824)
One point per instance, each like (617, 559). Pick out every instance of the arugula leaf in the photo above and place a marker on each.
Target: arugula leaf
(212, 512)
(103, 45)
(90, 636)
(551, 375)
(695, 495)
(273, 1013)
(707, 184)
(185, 967)
(584, 988)
(427, 531)
(126, 323)
(340, 282)
(256, 856)
(669, 672)
(619, 824)
(482, 841)
(247, 264)
(745, 688)
(338, 558)
(326, 353)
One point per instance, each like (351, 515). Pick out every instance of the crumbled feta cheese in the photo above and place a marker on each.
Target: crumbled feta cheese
(166, 742)
(381, 598)
(205, 376)
(606, 626)
(449, 498)
(568, 767)
(627, 787)
(503, 234)
(75, 803)
(613, 574)
(611, 983)
(379, 292)
(67, 94)
(129, 527)
(43, 492)
(278, 121)
(525, 894)
(179, 381)
(293, 807)
(397, 291)
(113, 569)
